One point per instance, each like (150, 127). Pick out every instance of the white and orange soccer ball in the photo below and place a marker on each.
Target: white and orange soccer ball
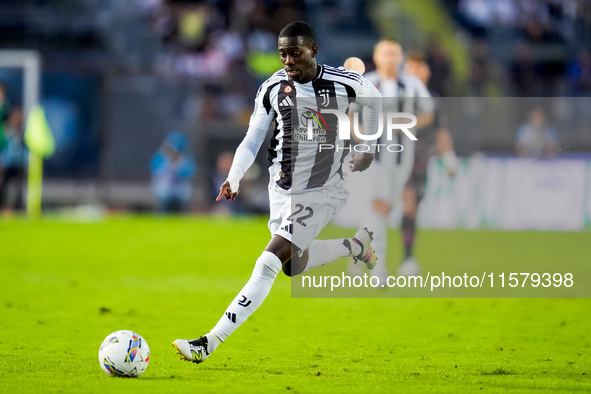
(124, 353)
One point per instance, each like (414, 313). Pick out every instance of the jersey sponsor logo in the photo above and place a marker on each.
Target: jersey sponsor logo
(311, 114)
(288, 228)
(243, 302)
(392, 120)
(286, 102)
(325, 163)
(314, 127)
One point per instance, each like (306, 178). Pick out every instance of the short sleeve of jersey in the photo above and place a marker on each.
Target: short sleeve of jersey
(365, 91)
(263, 113)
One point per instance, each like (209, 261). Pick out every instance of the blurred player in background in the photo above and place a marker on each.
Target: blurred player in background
(13, 161)
(536, 138)
(306, 185)
(4, 111)
(173, 167)
(402, 93)
(434, 139)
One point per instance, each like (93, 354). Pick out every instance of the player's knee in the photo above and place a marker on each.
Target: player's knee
(409, 210)
(287, 268)
(280, 247)
(409, 203)
(381, 206)
(294, 266)
(268, 264)
(290, 268)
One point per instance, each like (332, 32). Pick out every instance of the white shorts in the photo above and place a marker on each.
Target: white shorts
(390, 173)
(300, 217)
(384, 180)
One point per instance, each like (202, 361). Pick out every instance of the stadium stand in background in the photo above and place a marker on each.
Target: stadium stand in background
(118, 75)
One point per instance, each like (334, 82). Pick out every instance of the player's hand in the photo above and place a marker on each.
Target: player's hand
(225, 191)
(361, 161)
(450, 162)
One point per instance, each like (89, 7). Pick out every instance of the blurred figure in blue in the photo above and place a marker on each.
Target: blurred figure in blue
(172, 168)
(579, 74)
(537, 138)
(4, 111)
(13, 161)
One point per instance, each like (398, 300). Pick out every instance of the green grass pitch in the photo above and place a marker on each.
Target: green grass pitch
(65, 286)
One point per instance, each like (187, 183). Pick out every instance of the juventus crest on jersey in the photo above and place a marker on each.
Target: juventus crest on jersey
(295, 161)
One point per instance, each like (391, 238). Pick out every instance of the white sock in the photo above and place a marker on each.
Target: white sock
(212, 341)
(324, 251)
(250, 297)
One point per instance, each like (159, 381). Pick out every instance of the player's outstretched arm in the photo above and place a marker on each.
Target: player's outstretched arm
(360, 161)
(243, 159)
(226, 191)
(445, 149)
(424, 119)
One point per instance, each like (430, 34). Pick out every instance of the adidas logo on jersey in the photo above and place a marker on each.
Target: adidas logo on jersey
(286, 102)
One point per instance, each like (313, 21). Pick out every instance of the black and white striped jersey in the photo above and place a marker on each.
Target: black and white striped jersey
(406, 94)
(411, 93)
(296, 161)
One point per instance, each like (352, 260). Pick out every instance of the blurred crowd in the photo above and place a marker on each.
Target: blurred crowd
(209, 40)
(518, 48)
(227, 47)
(534, 20)
(523, 74)
(222, 42)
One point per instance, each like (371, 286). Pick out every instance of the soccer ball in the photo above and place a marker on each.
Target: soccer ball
(124, 353)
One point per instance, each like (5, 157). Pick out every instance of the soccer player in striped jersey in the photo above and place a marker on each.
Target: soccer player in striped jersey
(306, 185)
(402, 93)
(435, 140)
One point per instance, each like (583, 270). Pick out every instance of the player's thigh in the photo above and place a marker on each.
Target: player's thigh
(382, 181)
(388, 189)
(279, 208)
(311, 211)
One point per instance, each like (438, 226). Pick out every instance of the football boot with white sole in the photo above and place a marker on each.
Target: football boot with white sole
(195, 350)
(363, 238)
